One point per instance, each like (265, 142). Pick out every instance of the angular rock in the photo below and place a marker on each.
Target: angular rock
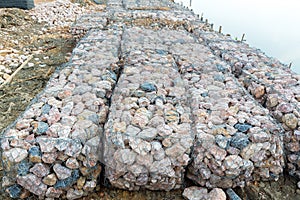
(61, 171)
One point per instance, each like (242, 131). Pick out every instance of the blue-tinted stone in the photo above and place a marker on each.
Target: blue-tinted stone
(181, 41)
(243, 127)
(14, 191)
(221, 68)
(35, 151)
(110, 76)
(68, 181)
(42, 127)
(222, 141)
(161, 52)
(205, 94)
(113, 75)
(219, 78)
(148, 87)
(23, 168)
(45, 109)
(239, 141)
(232, 195)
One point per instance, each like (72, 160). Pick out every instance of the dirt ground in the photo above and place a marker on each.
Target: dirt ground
(21, 36)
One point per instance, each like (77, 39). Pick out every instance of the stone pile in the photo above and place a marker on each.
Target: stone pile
(199, 193)
(52, 150)
(148, 133)
(147, 95)
(271, 83)
(236, 139)
(60, 12)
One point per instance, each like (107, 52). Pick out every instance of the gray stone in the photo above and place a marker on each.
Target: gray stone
(33, 184)
(61, 171)
(148, 134)
(148, 87)
(195, 193)
(217, 193)
(40, 170)
(15, 155)
(74, 194)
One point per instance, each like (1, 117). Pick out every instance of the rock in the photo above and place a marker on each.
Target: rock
(25, 194)
(50, 179)
(119, 127)
(61, 171)
(148, 87)
(81, 182)
(42, 127)
(89, 185)
(206, 140)
(23, 168)
(218, 153)
(195, 193)
(222, 141)
(143, 102)
(239, 141)
(272, 100)
(72, 163)
(14, 191)
(232, 195)
(260, 137)
(53, 116)
(125, 156)
(35, 154)
(141, 117)
(15, 155)
(148, 134)
(40, 170)
(233, 162)
(53, 193)
(49, 157)
(47, 144)
(217, 193)
(33, 184)
(45, 109)
(175, 151)
(139, 146)
(285, 107)
(74, 194)
(132, 130)
(259, 92)
(172, 116)
(242, 127)
(23, 124)
(290, 120)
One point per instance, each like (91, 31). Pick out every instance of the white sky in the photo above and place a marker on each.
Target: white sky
(271, 25)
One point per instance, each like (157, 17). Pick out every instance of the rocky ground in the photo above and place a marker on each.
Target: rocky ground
(44, 42)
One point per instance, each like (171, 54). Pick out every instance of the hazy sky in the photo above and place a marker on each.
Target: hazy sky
(271, 25)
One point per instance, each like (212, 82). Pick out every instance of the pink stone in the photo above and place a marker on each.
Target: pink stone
(40, 170)
(61, 171)
(285, 107)
(217, 194)
(53, 193)
(72, 163)
(54, 116)
(217, 152)
(32, 183)
(49, 157)
(23, 124)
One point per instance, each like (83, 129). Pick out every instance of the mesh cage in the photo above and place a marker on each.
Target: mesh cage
(151, 98)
